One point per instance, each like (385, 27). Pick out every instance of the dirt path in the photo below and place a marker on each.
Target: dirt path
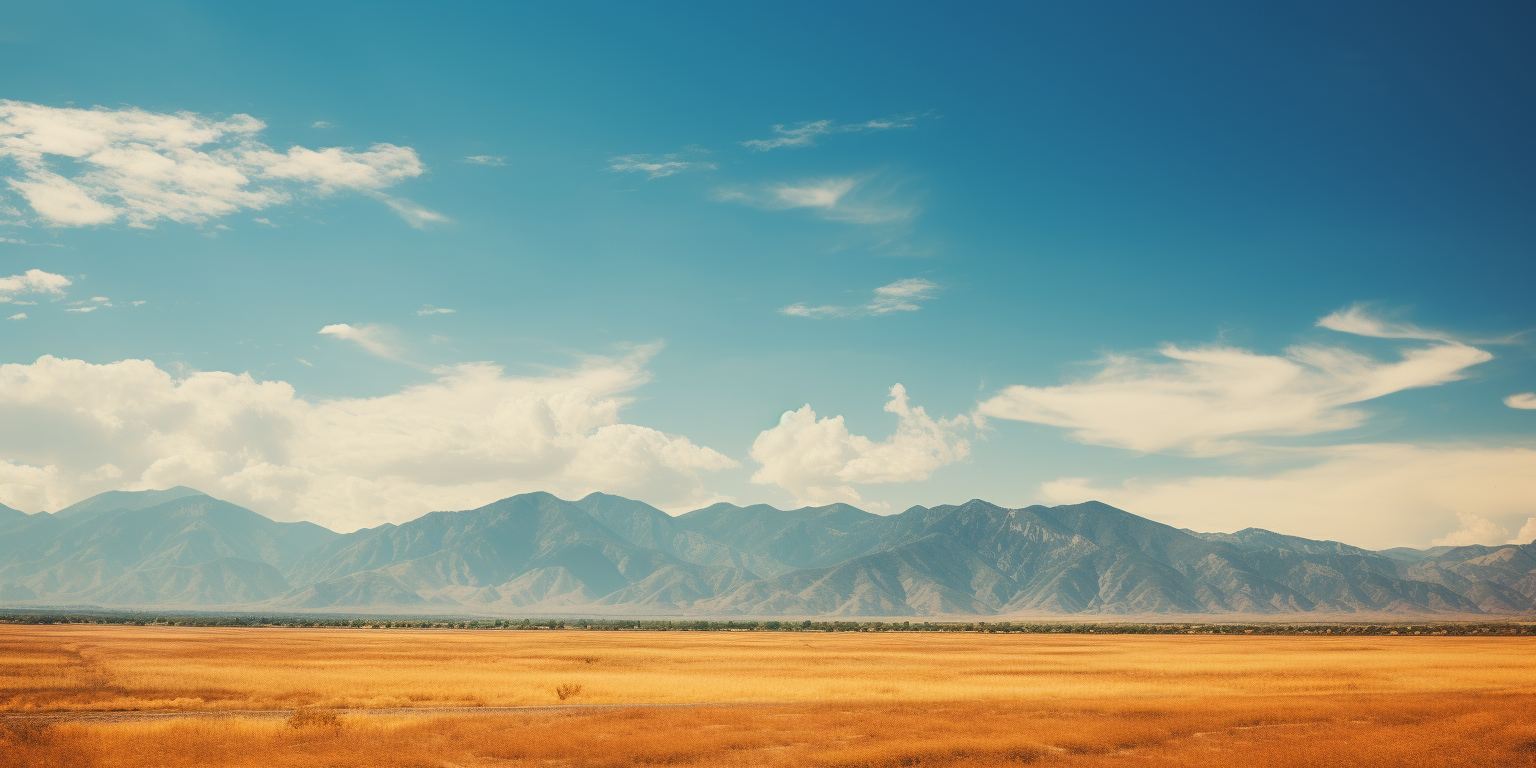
(126, 716)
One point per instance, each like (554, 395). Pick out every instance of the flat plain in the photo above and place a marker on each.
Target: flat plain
(757, 698)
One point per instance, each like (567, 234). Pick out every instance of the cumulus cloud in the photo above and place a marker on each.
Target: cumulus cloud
(1205, 401)
(900, 296)
(1524, 401)
(850, 200)
(1526, 534)
(805, 134)
(656, 166)
(472, 435)
(18, 316)
(87, 167)
(32, 281)
(819, 460)
(1371, 495)
(1474, 529)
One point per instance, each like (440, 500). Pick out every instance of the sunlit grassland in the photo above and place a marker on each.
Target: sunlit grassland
(817, 699)
(87, 667)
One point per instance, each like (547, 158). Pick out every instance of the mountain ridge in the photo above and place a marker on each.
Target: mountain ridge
(609, 555)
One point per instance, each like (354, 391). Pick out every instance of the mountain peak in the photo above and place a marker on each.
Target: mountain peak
(129, 500)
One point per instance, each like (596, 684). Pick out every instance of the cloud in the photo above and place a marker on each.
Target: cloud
(656, 166)
(1205, 401)
(819, 460)
(472, 435)
(850, 200)
(18, 316)
(321, 124)
(1371, 495)
(1526, 534)
(805, 134)
(305, 362)
(1474, 530)
(374, 338)
(33, 281)
(1525, 401)
(88, 167)
(428, 309)
(414, 215)
(486, 159)
(900, 296)
(83, 309)
(1357, 319)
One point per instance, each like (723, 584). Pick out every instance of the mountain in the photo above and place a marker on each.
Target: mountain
(533, 551)
(152, 547)
(129, 500)
(603, 554)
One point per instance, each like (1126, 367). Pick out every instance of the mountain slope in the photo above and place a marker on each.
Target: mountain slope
(190, 549)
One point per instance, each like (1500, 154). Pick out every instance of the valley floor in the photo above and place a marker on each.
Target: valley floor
(771, 699)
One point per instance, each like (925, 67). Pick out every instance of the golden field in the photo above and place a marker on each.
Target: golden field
(773, 699)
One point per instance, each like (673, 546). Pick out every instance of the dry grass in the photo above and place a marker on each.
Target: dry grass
(837, 700)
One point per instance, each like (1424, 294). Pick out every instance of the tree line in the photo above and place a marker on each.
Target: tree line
(770, 625)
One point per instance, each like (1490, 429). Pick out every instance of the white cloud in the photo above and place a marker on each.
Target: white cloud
(805, 134)
(18, 316)
(1206, 400)
(1474, 529)
(1357, 319)
(900, 296)
(414, 215)
(428, 309)
(1372, 495)
(305, 362)
(86, 167)
(486, 159)
(1525, 401)
(1526, 534)
(374, 338)
(265, 222)
(819, 460)
(471, 436)
(849, 200)
(34, 281)
(100, 298)
(321, 124)
(83, 309)
(656, 166)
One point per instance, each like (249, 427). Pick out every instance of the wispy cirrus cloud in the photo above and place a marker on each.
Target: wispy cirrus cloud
(1205, 401)
(656, 166)
(805, 134)
(376, 339)
(845, 199)
(428, 309)
(900, 296)
(497, 160)
(90, 167)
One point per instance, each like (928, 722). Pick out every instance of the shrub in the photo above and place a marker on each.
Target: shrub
(320, 719)
(567, 690)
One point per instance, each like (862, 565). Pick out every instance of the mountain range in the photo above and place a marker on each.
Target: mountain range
(536, 554)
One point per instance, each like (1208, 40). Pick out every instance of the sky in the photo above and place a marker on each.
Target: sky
(1220, 265)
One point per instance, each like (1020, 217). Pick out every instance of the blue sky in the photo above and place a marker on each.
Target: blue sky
(671, 225)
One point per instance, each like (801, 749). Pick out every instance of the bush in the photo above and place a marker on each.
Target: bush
(320, 719)
(567, 690)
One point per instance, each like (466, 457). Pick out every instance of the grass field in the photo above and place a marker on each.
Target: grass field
(774, 699)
